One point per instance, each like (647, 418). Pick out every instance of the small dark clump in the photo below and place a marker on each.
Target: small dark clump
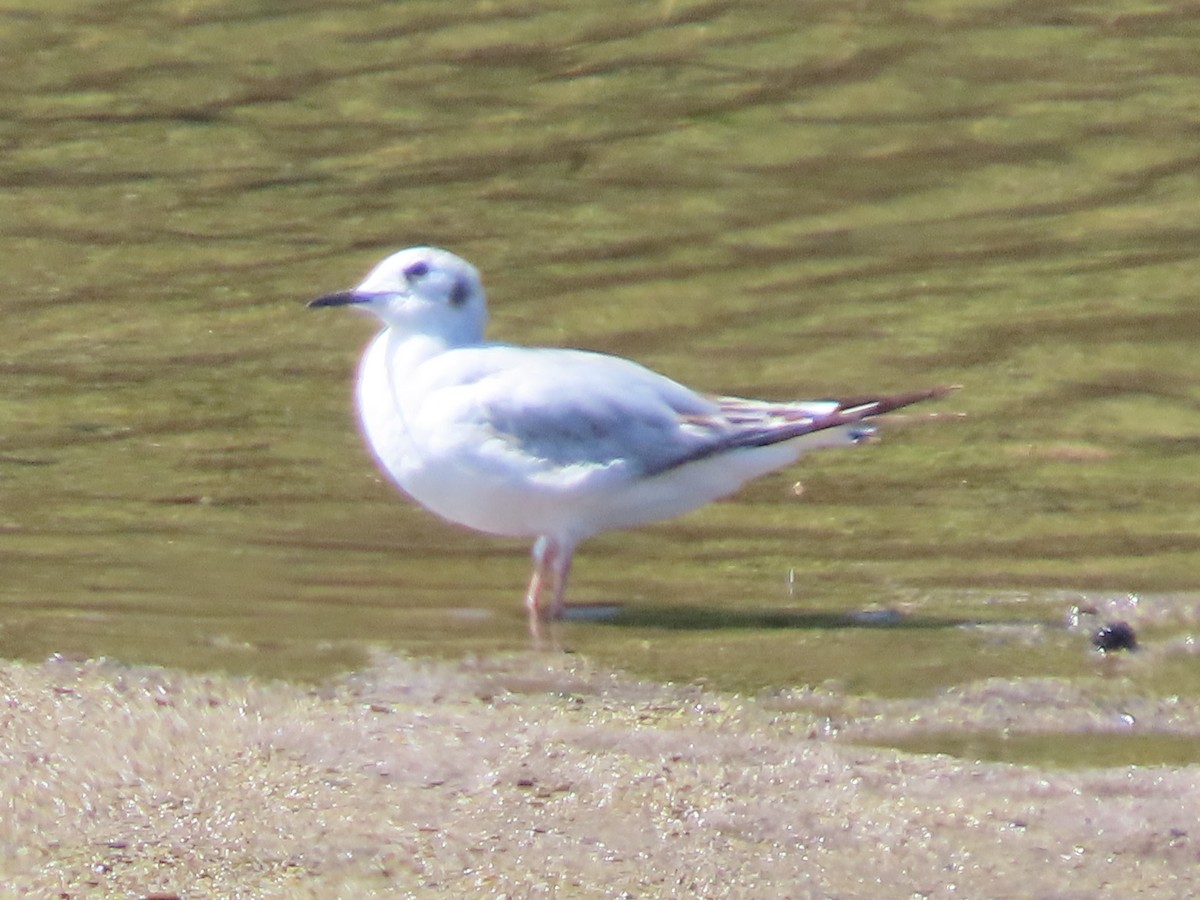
(1115, 636)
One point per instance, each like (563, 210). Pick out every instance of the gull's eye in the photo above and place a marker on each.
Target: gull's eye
(416, 270)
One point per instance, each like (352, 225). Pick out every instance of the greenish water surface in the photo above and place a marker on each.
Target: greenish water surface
(762, 198)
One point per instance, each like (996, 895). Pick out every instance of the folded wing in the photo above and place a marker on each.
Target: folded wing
(567, 413)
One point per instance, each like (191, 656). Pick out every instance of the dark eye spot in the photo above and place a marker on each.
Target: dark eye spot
(419, 269)
(459, 293)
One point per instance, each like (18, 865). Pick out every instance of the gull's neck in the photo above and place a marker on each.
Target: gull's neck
(409, 350)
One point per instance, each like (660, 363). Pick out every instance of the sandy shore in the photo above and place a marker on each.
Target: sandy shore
(534, 776)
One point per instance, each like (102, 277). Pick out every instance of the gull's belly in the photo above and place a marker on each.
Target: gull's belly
(492, 505)
(466, 490)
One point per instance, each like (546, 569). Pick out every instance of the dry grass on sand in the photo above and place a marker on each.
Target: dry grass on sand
(532, 776)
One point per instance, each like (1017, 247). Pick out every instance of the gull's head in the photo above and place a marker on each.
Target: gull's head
(421, 290)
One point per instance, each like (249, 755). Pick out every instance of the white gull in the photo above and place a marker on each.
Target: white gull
(554, 444)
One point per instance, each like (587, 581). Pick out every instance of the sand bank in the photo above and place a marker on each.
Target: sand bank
(534, 776)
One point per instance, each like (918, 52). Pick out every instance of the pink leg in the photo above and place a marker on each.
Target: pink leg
(551, 565)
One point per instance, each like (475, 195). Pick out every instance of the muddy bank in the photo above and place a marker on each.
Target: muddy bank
(540, 776)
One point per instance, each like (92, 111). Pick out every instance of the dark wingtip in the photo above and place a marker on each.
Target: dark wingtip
(875, 406)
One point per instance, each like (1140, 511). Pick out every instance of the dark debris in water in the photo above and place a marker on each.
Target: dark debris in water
(1115, 636)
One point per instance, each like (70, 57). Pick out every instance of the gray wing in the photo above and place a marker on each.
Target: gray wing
(567, 408)
(572, 408)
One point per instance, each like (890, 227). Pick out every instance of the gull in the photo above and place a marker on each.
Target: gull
(555, 444)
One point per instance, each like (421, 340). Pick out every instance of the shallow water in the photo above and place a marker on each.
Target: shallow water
(756, 198)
